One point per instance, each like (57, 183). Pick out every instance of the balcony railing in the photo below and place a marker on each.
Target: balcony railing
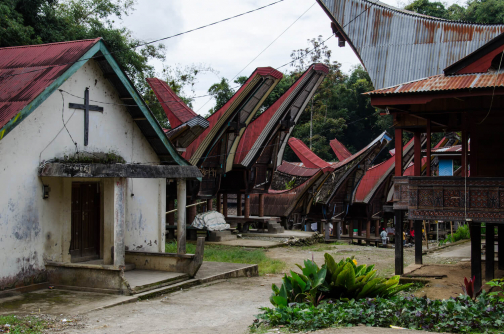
(449, 198)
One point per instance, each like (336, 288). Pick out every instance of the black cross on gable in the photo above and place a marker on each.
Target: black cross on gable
(87, 108)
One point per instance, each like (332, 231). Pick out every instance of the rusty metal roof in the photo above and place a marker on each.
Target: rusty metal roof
(296, 170)
(25, 71)
(396, 45)
(310, 159)
(442, 82)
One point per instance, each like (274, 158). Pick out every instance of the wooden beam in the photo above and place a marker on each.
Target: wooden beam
(238, 204)
(500, 245)
(399, 252)
(418, 241)
(417, 167)
(428, 169)
(225, 205)
(489, 251)
(476, 254)
(398, 152)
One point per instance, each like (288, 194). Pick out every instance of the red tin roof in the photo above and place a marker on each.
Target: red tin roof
(341, 151)
(295, 170)
(214, 118)
(175, 109)
(371, 178)
(310, 159)
(442, 82)
(26, 71)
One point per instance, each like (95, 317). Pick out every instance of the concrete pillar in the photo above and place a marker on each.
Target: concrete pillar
(181, 216)
(476, 254)
(261, 205)
(489, 257)
(225, 205)
(219, 204)
(238, 204)
(120, 190)
(247, 206)
(418, 241)
(399, 253)
(209, 204)
(170, 205)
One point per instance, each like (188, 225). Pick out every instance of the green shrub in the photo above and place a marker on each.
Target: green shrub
(456, 315)
(461, 233)
(344, 280)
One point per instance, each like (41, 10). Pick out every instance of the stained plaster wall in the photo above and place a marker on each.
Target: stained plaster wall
(33, 229)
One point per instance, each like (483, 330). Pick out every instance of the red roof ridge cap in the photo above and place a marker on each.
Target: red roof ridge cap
(55, 43)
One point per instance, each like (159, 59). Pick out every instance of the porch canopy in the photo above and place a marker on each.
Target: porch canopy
(96, 170)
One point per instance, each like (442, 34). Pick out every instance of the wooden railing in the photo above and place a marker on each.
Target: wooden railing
(478, 199)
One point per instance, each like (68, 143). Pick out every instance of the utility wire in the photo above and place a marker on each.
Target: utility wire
(283, 32)
(154, 41)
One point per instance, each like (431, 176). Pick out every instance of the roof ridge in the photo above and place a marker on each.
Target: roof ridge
(54, 43)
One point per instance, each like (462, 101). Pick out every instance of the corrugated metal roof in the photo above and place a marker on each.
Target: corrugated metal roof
(175, 109)
(339, 149)
(398, 46)
(445, 83)
(310, 159)
(296, 170)
(25, 71)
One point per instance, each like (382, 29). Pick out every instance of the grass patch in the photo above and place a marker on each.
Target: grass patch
(219, 253)
(322, 247)
(28, 325)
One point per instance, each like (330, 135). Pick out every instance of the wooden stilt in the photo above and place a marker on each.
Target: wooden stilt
(500, 246)
(476, 254)
(368, 232)
(399, 253)
(219, 204)
(170, 205)
(418, 242)
(247, 206)
(359, 231)
(489, 254)
(377, 228)
(209, 205)
(426, 238)
(261, 205)
(225, 205)
(238, 204)
(191, 212)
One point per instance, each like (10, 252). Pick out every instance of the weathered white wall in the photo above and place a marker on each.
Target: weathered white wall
(32, 228)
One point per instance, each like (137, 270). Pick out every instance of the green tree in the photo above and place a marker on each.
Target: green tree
(221, 92)
(477, 11)
(46, 21)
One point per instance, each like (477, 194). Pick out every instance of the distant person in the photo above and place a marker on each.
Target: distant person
(384, 237)
(412, 235)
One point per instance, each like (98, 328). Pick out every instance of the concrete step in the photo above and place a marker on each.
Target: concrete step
(129, 267)
(142, 280)
(217, 236)
(275, 229)
(168, 289)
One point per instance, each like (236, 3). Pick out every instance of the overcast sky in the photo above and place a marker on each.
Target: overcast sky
(229, 46)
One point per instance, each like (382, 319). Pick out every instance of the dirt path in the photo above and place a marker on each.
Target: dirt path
(229, 306)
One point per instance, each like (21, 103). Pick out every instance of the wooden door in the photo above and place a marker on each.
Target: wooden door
(85, 242)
